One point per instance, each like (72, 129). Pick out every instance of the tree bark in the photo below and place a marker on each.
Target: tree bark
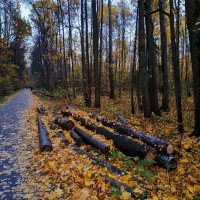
(94, 141)
(152, 63)
(95, 53)
(62, 137)
(175, 62)
(133, 69)
(163, 36)
(45, 143)
(192, 12)
(65, 123)
(143, 61)
(84, 70)
(76, 138)
(89, 76)
(111, 75)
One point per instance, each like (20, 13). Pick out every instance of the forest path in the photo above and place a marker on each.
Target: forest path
(11, 144)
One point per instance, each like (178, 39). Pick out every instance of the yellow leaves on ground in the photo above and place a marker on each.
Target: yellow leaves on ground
(138, 192)
(52, 166)
(56, 194)
(125, 195)
(63, 174)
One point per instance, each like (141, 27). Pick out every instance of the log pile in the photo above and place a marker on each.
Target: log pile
(161, 145)
(127, 140)
(142, 144)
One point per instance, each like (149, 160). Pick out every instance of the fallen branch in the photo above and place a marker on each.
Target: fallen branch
(104, 164)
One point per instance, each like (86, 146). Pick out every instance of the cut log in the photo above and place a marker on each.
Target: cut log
(92, 115)
(66, 113)
(69, 107)
(76, 138)
(54, 126)
(45, 143)
(41, 110)
(94, 141)
(167, 161)
(128, 146)
(160, 145)
(63, 137)
(105, 164)
(65, 123)
(121, 119)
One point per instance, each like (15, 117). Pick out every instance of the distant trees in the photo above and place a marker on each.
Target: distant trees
(13, 32)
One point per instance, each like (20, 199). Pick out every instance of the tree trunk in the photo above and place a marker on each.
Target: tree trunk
(163, 35)
(45, 143)
(95, 53)
(70, 49)
(192, 12)
(84, 70)
(133, 70)
(152, 63)
(111, 75)
(89, 76)
(143, 61)
(187, 56)
(175, 62)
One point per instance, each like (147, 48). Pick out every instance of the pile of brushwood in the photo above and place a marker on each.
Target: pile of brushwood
(125, 139)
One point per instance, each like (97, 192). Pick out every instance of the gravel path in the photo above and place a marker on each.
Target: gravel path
(11, 142)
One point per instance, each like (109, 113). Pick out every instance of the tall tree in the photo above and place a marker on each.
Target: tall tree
(84, 69)
(193, 16)
(143, 61)
(96, 53)
(89, 76)
(176, 68)
(133, 69)
(111, 75)
(152, 61)
(163, 36)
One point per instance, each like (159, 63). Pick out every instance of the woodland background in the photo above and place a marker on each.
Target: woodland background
(137, 50)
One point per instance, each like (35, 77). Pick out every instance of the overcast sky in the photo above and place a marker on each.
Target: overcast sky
(25, 10)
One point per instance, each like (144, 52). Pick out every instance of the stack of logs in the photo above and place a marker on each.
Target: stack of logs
(127, 140)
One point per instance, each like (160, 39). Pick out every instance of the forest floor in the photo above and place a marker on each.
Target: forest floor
(63, 174)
